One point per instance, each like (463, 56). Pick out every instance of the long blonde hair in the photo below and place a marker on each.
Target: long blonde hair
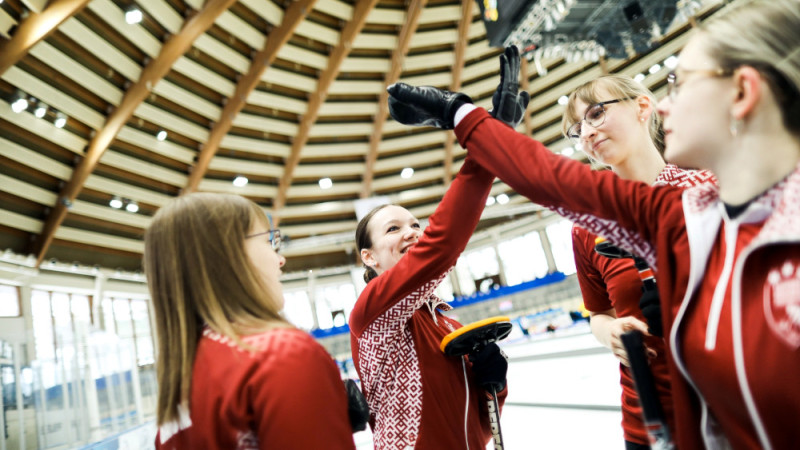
(764, 34)
(198, 273)
(618, 86)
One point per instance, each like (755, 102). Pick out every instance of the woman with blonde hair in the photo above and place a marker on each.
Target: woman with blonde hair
(232, 373)
(726, 258)
(613, 119)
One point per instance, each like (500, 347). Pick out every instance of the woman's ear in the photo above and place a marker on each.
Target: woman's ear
(367, 258)
(748, 84)
(645, 107)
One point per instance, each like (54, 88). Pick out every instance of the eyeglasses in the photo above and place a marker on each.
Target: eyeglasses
(274, 238)
(595, 116)
(673, 84)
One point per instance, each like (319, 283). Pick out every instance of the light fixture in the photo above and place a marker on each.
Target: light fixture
(325, 183)
(41, 110)
(568, 151)
(133, 15)
(654, 68)
(162, 134)
(671, 62)
(115, 202)
(408, 172)
(61, 120)
(639, 77)
(502, 199)
(20, 103)
(132, 207)
(490, 201)
(563, 100)
(240, 181)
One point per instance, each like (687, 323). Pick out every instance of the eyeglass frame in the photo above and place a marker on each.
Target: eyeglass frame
(576, 137)
(274, 238)
(672, 78)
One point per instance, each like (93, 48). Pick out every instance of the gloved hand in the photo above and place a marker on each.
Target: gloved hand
(489, 367)
(650, 304)
(357, 408)
(424, 105)
(508, 104)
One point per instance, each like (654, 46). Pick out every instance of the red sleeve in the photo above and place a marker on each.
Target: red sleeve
(447, 234)
(593, 287)
(303, 398)
(601, 202)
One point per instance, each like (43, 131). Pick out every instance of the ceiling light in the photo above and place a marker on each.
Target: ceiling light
(654, 68)
(41, 110)
(20, 103)
(671, 62)
(490, 201)
(325, 183)
(132, 207)
(115, 203)
(61, 120)
(502, 199)
(639, 77)
(563, 100)
(162, 134)
(568, 151)
(408, 172)
(133, 15)
(240, 181)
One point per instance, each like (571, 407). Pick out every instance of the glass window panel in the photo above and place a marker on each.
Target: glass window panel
(297, 309)
(122, 315)
(42, 325)
(560, 236)
(465, 281)
(9, 301)
(108, 316)
(482, 262)
(445, 289)
(523, 258)
(347, 292)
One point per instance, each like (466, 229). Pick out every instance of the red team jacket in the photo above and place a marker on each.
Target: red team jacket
(608, 283)
(730, 288)
(286, 395)
(416, 395)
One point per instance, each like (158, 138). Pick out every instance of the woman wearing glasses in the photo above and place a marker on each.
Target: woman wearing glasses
(232, 373)
(726, 258)
(625, 134)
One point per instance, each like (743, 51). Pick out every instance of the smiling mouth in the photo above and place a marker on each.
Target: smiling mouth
(597, 144)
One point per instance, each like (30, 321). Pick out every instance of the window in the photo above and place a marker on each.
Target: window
(334, 303)
(297, 309)
(560, 236)
(9, 301)
(523, 258)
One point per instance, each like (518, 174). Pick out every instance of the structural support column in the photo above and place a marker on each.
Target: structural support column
(548, 252)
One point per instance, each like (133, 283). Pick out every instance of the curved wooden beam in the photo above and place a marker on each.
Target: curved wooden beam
(349, 34)
(455, 86)
(35, 28)
(398, 56)
(292, 17)
(173, 49)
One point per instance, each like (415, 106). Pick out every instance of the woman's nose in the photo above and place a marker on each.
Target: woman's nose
(663, 105)
(281, 260)
(411, 233)
(587, 131)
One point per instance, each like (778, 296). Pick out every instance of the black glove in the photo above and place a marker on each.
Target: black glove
(508, 104)
(489, 367)
(357, 407)
(650, 304)
(424, 105)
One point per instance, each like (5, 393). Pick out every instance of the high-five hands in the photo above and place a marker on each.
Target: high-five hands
(508, 103)
(424, 105)
(430, 106)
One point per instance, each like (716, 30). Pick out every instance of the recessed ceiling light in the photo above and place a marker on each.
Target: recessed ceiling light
(490, 201)
(502, 199)
(132, 207)
(408, 172)
(133, 15)
(325, 183)
(61, 120)
(162, 134)
(115, 203)
(240, 181)
(41, 110)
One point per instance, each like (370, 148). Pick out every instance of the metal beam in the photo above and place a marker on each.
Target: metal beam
(173, 49)
(292, 17)
(34, 29)
(455, 86)
(338, 55)
(398, 56)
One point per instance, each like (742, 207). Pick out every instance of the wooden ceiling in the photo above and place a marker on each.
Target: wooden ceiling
(282, 92)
